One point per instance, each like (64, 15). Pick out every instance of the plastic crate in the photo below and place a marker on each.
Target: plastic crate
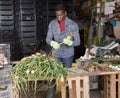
(6, 12)
(28, 29)
(27, 6)
(28, 11)
(28, 17)
(5, 76)
(4, 54)
(28, 41)
(5, 7)
(28, 48)
(7, 17)
(6, 2)
(28, 35)
(7, 22)
(7, 27)
(6, 93)
(27, 23)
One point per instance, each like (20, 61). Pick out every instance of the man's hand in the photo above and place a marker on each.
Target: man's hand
(67, 41)
(54, 44)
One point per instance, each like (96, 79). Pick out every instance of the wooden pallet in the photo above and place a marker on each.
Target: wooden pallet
(119, 85)
(110, 86)
(15, 92)
(78, 87)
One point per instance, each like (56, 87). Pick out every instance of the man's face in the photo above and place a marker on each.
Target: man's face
(60, 15)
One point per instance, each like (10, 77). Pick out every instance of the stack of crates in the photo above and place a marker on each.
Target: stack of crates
(25, 20)
(5, 72)
(6, 15)
(41, 26)
(7, 34)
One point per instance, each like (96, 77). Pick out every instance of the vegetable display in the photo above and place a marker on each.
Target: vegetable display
(37, 67)
(110, 61)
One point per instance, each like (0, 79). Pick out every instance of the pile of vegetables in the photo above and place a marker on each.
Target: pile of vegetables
(109, 60)
(37, 67)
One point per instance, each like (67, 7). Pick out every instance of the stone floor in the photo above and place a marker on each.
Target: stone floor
(42, 89)
(42, 94)
(96, 94)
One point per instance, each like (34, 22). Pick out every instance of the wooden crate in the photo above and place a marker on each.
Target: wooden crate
(78, 87)
(118, 85)
(15, 92)
(79, 84)
(110, 86)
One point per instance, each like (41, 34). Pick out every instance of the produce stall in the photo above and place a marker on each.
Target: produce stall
(97, 61)
(23, 34)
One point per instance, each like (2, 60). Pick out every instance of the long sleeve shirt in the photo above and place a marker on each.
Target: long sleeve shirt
(55, 34)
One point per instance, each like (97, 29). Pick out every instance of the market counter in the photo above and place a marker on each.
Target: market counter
(78, 83)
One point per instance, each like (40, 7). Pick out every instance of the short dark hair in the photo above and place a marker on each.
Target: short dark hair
(60, 7)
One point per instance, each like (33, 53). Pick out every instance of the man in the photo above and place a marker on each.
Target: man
(58, 31)
(62, 35)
